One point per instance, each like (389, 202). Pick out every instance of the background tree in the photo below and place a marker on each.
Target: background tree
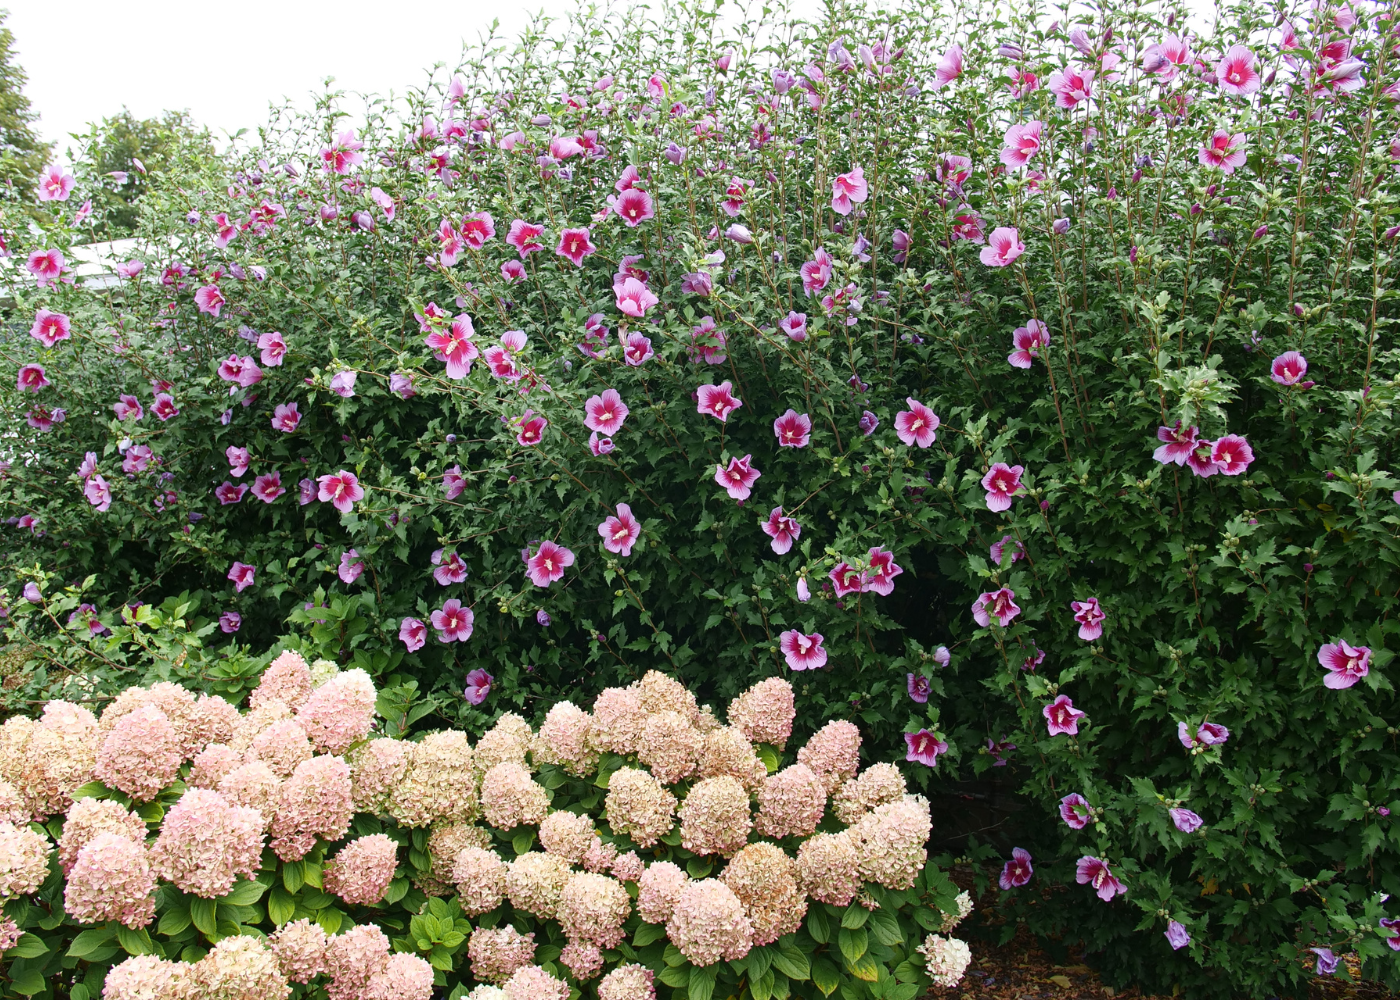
(22, 154)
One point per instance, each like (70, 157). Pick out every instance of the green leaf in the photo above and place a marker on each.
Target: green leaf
(28, 946)
(293, 876)
(648, 934)
(174, 921)
(245, 893)
(855, 916)
(702, 981)
(28, 982)
(818, 925)
(330, 919)
(699, 867)
(135, 942)
(901, 991)
(204, 914)
(853, 943)
(761, 986)
(280, 906)
(674, 976)
(826, 976)
(79, 992)
(886, 928)
(769, 756)
(522, 840)
(89, 941)
(791, 962)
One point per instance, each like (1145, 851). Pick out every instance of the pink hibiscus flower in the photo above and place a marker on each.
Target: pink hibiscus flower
(634, 207)
(1022, 143)
(1166, 58)
(1179, 446)
(548, 563)
(229, 493)
(605, 413)
(525, 237)
(1016, 872)
(351, 566)
(1029, 341)
(453, 482)
(949, 67)
(917, 424)
(342, 489)
(477, 228)
(1075, 811)
(286, 418)
(454, 346)
(1003, 247)
(98, 493)
(575, 245)
(1236, 72)
(1345, 664)
(343, 154)
(32, 378)
(54, 184)
(923, 748)
(999, 604)
(1223, 150)
(816, 274)
(268, 487)
(846, 579)
(1071, 86)
(478, 686)
(1090, 618)
(782, 529)
(1288, 368)
(620, 532)
(998, 549)
(883, 570)
(794, 324)
(126, 408)
(273, 347)
(636, 349)
(238, 459)
(1061, 717)
(242, 575)
(164, 406)
(968, 226)
(47, 266)
(413, 633)
(530, 429)
(738, 478)
(793, 429)
(802, 652)
(1095, 872)
(600, 446)
(847, 189)
(449, 567)
(50, 327)
(633, 297)
(453, 622)
(209, 300)
(1002, 482)
(717, 401)
(1231, 455)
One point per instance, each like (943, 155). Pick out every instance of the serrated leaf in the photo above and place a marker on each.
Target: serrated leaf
(855, 916)
(245, 893)
(885, 926)
(826, 976)
(864, 968)
(818, 925)
(281, 907)
(648, 934)
(702, 981)
(134, 942)
(28, 982)
(28, 946)
(293, 877)
(89, 941)
(853, 943)
(204, 913)
(791, 962)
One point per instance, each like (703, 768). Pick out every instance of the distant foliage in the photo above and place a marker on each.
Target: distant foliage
(1021, 385)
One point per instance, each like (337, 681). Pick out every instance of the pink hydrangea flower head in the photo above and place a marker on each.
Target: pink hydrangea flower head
(793, 429)
(1003, 247)
(242, 575)
(548, 562)
(525, 237)
(342, 490)
(883, 570)
(924, 748)
(1018, 871)
(1028, 341)
(1231, 455)
(1095, 872)
(50, 327)
(802, 652)
(916, 425)
(1237, 72)
(1180, 444)
(605, 412)
(1022, 142)
(738, 477)
(621, 531)
(1223, 150)
(575, 245)
(634, 298)
(1062, 717)
(1002, 482)
(847, 189)
(783, 530)
(717, 401)
(1345, 664)
(1288, 368)
(1090, 618)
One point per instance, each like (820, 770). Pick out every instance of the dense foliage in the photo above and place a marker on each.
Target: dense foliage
(1067, 343)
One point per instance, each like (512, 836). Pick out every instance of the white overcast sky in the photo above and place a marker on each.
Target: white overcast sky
(225, 62)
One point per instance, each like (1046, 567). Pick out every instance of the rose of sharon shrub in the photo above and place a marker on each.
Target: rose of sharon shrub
(313, 886)
(1029, 392)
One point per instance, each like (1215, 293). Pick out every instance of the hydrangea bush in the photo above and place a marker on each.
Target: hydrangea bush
(1028, 389)
(175, 848)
